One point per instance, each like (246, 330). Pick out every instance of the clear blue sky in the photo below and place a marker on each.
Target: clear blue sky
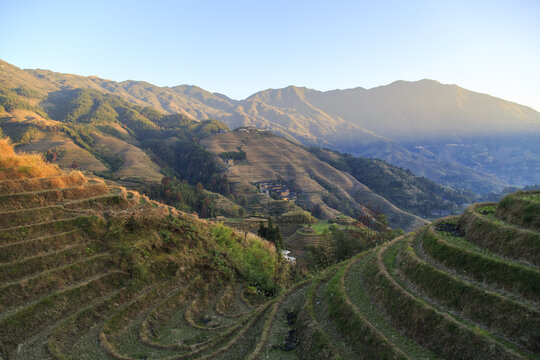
(240, 47)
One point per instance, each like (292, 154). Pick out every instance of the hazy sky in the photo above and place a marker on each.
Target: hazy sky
(240, 47)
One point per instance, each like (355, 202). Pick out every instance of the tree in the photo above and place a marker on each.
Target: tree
(199, 188)
(262, 230)
(165, 181)
(271, 233)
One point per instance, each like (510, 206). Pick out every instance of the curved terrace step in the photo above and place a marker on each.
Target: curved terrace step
(71, 179)
(32, 319)
(514, 277)
(504, 239)
(436, 330)
(358, 296)
(498, 314)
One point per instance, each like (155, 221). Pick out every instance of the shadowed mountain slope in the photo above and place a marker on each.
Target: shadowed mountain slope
(90, 271)
(270, 157)
(449, 134)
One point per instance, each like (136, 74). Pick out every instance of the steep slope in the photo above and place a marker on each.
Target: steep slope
(89, 271)
(462, 287)
(411, 193)
(426, 110)
(270, 157)
(449, 134)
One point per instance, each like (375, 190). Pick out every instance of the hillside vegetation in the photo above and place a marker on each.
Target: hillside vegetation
(91, 271)
(97, 272)
(414, 194)
(136, 146)
(463, 287)
(449, 134)
(319, 185)
(132, 145)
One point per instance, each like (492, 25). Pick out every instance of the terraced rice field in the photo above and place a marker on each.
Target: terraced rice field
(63, 296)
(427, 295)
(447, 291)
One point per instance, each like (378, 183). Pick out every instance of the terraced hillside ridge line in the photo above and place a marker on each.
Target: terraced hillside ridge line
(225, 299)
(20, 250)
(164, 311)
(504, 239)
(204, 351)
(514, 277)
(118, 322)
(9, 219)
(23, 324)
(157, 316)
(270, 320)
(261, 313)
(360, 298)
(27, 172)
(61, 340)
(33, 199)
(314, 342)
(26, 289)
(368, 341)
(283, 336)
(32, 265)
(421, 322)
(298, 243)
(201, 302)
(231, 304)
(521, 208)
(116, 200)
(44, 228)
(515, 321)
(71, 179)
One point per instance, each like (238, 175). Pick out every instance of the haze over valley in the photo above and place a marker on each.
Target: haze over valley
(451, 135)
(339, 180)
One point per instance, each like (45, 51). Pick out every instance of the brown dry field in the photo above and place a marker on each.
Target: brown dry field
(270, 157)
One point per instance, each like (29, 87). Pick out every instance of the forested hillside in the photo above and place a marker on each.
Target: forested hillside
(415, 125)
(415, 194)
(137, 146)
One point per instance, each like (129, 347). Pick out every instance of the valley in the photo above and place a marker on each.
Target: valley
(407, 124)
(146, 222)
(94, 271)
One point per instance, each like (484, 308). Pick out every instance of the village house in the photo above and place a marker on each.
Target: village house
(276, 187)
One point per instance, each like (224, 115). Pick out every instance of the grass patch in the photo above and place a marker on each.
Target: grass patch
(360, 298)
(368, 342)
(30, 320)
(319, 227)
(515, 321)
(421, 322)
(506, 240)
(516, 278)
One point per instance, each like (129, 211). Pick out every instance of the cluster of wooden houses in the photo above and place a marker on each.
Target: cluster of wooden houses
(276, 187)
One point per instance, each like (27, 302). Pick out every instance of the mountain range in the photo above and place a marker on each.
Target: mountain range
(449, 134)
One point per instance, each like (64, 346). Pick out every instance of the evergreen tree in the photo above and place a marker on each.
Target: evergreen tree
(262, 230)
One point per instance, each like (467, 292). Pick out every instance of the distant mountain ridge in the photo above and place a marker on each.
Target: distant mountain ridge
(415, 125)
